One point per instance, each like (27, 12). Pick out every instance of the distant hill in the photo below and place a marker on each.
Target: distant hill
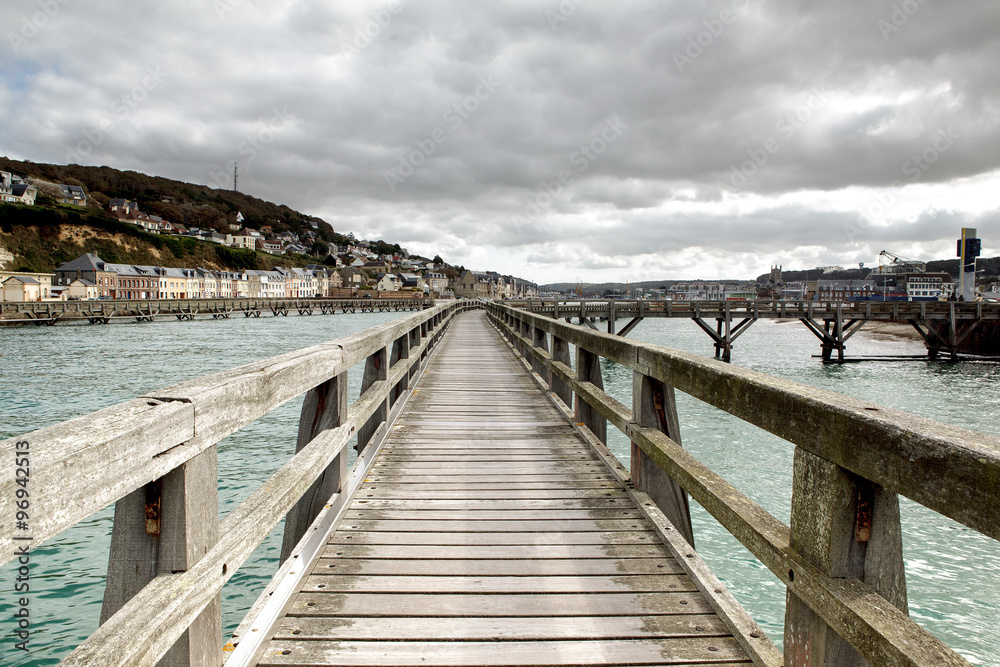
(43, 236)
(990, 266)
(600, 288)
(174, 201)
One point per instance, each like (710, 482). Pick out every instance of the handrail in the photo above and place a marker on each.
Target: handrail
(840, 488)
(165, 441)
(567, 307)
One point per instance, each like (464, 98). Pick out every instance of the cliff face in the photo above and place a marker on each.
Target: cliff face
(6, 258)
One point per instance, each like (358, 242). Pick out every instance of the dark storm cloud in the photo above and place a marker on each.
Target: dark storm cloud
(469, 124)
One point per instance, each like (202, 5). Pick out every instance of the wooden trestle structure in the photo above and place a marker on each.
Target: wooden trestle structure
(485, 521)
(943, 325)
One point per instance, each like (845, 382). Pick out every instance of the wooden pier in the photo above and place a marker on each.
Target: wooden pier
(485, 521)
(486, 517)
(50, 313)
(943, 325)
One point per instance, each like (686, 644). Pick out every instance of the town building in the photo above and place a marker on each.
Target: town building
(82, 290)
(841, 290)
(89, 267)
(72, 194)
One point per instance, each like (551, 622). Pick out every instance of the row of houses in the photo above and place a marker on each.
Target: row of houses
(492, 285)
(89, 277)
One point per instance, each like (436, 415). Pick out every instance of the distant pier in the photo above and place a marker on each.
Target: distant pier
(50, 313)
(947, 327)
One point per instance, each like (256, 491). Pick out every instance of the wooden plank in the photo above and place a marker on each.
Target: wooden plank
(680, 651)
(602, 502)
(436, 461)
(500, 629)
(425, 485)
(497, 567)
(397, 491)
(486, 442)
(491, 526)
(463, 552)
(496, 515)
(442, 584)
(560, 468)
(447, 539)
(544, 604)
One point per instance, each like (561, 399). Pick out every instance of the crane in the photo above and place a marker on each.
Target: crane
(900, 264)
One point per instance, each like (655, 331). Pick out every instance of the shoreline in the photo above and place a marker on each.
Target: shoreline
(878, 330)
(890, 331)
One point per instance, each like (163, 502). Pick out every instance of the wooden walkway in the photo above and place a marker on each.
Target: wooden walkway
(490, 533)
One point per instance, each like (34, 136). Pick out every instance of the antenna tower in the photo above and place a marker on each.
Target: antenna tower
(236, 176)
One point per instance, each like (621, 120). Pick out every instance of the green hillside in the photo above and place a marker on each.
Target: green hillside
(174, 201)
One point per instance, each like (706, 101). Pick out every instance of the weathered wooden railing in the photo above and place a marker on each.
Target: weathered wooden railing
(841, 556)
(156, 456)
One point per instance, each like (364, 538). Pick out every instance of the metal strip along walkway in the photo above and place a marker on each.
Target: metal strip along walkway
(489, 532)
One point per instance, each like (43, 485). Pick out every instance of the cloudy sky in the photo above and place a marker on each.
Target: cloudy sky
(559, 141)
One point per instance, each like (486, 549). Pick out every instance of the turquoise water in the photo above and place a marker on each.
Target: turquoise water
(69, 370)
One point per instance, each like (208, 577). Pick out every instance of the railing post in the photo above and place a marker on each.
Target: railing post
(324, 407)
(560, 353)
(588, 369)
(162, 528)
(416, 336)
(654, 405)
(540, 341)
(849, 528)
(376, 369)
(400, 354)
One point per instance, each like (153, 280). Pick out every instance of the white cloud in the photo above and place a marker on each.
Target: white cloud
(839, 109)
